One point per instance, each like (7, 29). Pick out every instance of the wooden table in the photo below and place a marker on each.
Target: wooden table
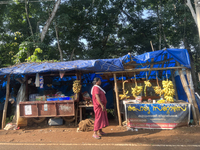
(83, 106)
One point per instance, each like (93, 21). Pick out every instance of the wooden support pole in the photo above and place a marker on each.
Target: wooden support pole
(191, 85)
(173, 80)
(117, 100)
(6, 102)
(151, 66)
(27, 89)
(187, 91)
(76, 105)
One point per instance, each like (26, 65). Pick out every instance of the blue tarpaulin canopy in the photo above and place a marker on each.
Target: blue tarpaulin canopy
(145, 60)
(180, 55)
(77, 65)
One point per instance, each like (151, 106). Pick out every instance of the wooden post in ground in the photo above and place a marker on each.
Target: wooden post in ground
(173, 80)
(6, 102)
(187, 91)
(117, 100)
(191, 85)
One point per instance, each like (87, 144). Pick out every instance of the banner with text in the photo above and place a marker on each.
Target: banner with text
(160, 116)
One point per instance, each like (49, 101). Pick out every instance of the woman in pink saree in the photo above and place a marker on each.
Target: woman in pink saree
(99, 103)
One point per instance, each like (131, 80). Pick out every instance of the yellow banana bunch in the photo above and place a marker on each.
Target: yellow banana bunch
(169, 99)
(147, 84)
(168, 90)
(137, 90)
(76, 86)
(124, 95)
(158, 90)
(161, 101)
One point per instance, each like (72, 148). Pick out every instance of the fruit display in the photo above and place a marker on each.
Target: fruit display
(158, 89)
(76, 86)
(124, 95)
(147, 84)
(137, 90)
(168, 90)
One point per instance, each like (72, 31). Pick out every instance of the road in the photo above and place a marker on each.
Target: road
(65, 146)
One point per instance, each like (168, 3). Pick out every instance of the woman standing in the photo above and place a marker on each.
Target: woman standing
(99, 103)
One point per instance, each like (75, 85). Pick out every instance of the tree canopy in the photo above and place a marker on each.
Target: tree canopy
(93, 29)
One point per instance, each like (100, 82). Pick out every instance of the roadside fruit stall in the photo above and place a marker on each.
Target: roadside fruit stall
(52, 89)
(147, 92)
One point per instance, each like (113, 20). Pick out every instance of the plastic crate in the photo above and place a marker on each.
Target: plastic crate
(64, 98)
(52, 99)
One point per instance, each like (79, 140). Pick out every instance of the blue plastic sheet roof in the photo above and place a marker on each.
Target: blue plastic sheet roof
(99, 65)
(180, 55)
(144, 60)
(106, 65)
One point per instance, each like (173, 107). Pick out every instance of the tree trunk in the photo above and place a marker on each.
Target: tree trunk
(48, 22)
(159, 47)
(27, 16)
(61, 56)
(192, 11)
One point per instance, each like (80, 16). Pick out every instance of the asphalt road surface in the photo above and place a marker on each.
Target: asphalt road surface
(55, 146)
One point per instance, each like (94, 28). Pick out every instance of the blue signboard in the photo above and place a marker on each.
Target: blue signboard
(164, 116)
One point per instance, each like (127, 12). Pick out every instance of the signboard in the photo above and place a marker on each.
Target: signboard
(157, 116)
(28, 109)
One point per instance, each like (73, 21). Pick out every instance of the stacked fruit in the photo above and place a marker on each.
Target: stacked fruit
(77, 86)
(168, 90)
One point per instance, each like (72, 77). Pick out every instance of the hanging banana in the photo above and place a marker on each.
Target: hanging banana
(137, 90)
(124, 95)
(147, 84)
(168, 90)
(76, 86)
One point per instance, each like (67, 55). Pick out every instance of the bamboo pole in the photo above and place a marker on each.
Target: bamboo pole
(191, 85)
(76, 105)
(117, 100)
(6, 102)
(145, 69)
(173, 80)
(152, 46)
(186, 89)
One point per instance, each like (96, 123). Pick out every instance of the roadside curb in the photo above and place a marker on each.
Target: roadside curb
(91, 144)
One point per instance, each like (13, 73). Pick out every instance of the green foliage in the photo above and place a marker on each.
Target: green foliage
(94, 29)
(111, 111)
(9, 119)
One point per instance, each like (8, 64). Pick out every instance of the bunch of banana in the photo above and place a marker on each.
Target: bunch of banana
(124, 95)
(169, 99)
(161, 101)
(76, 86)
(137, 90)
(158, 90)
(168, 90)
(147, 84)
